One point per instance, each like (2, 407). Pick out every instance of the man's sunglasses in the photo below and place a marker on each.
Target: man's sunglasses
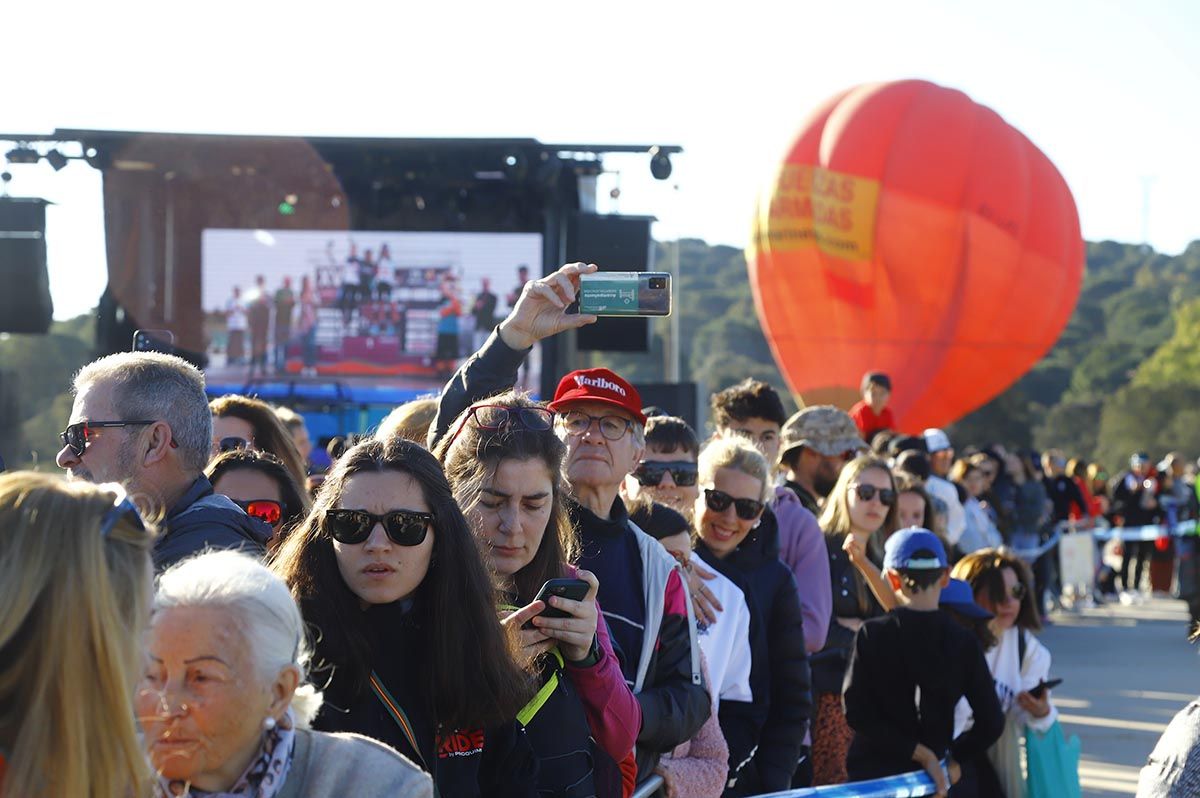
(649, 473)
(76, 436)
(536, 419)
(404, 527)
(887, 496)
(718, 501)
(267, 510)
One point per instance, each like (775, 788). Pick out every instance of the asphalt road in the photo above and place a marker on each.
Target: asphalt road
(1127, 670)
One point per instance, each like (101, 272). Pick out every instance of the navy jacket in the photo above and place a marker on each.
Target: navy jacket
(203, 520)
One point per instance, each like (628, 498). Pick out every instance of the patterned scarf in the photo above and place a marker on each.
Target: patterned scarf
(263, 779)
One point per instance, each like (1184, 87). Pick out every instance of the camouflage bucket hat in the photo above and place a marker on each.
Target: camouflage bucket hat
(822, 428)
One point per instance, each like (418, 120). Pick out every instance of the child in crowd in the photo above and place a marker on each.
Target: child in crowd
(908, 671)
(872, 414)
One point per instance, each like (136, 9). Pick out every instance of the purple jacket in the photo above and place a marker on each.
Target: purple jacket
(802, 549)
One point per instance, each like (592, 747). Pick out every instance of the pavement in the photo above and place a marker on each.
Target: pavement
(1126, 671)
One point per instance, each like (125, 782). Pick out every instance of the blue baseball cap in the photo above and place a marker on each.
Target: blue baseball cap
(899, 553)
(958, 596)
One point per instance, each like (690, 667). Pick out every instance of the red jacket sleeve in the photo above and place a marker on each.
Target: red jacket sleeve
(613, 712)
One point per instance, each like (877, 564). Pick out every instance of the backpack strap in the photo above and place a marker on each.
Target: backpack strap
(1022, 646)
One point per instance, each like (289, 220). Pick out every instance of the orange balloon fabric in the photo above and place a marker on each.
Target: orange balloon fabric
(913, 231)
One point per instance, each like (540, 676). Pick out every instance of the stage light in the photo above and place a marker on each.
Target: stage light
(57, 160)
(660, 164)
(22, 155)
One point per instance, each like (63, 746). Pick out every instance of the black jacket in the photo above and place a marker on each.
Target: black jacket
(1128, 492)
(495, 762)
(770, 590)
(907, 674)
(674, 702)
(203, 520)
(852, 598)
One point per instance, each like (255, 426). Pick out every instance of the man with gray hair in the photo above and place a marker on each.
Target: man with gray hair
(142, 419)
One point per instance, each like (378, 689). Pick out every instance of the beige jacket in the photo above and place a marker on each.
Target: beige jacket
(335, 765)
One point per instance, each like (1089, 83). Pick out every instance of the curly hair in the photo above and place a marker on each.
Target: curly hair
(750, 398)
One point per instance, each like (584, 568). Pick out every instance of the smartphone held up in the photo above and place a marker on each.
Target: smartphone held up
(623, 294)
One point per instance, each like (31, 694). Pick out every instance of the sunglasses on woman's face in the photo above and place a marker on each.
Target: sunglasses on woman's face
(267, 510)
(1016, 592)
(650, 473)
(233, 444)
(718, 501)
(887, 496)
(404, 527)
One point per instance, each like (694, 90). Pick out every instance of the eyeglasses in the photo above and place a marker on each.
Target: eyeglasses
(535, 419)
(123, 507)
(649, 473)
(75, 436)
(267, 510)
(887, 496)
(718, 501)
(1017, 592)
(404, 527)
(233, 444)
(611, 427)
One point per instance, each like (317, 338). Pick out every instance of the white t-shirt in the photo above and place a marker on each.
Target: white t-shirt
(235, 315)
(726, 643)
(1011, 679)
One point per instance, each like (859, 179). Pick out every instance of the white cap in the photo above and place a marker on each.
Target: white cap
(936, 440)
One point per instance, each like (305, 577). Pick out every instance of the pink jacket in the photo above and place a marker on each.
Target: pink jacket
(613, 712)
(699, 767)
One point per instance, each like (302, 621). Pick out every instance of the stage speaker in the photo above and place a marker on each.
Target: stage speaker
(25, 305)
(615, 244)
(673, 399)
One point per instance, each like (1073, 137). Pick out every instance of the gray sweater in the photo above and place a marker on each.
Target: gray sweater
(1173, 770)
(335, 765)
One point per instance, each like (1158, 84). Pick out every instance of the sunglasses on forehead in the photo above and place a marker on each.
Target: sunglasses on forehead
(718, 501)
(267, 510)
(650, 473)
(77, 436)
(404, 527)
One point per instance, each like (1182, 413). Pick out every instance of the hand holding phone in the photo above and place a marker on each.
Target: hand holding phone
(1043, 686)
(568, 620)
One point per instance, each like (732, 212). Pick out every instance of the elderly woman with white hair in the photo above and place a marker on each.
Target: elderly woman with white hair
(224, 705)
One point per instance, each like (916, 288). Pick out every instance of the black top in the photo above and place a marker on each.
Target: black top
(908, 671)
(495, 762)
(807, 499)
(852, 598)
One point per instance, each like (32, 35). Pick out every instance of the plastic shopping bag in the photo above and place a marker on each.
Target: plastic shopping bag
(1052, 762)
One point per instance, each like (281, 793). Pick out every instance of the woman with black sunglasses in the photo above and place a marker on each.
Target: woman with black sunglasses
(388, 575)
(504, 464)
(859, 515)
(735, 484)
(261, 485)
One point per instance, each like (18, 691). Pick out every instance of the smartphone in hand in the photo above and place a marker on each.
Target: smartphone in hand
(573, 589)
(1043, 686)
(623, 294)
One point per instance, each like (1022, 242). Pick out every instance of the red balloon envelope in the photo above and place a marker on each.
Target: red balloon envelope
(912, 231)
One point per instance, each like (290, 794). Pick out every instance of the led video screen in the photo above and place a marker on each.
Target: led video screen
(394, 310)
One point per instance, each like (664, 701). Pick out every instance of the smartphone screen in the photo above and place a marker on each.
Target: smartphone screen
(625, 294)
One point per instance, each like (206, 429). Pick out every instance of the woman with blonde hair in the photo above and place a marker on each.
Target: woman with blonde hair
(75, 587)
(859, 514)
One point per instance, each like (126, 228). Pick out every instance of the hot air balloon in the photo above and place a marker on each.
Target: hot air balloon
(913, 231)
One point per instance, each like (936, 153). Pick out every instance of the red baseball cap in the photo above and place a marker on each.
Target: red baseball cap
(598, 385)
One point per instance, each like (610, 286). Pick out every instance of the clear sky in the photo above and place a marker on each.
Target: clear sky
(1107, 89)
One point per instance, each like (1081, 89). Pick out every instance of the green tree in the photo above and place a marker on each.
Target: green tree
(1177, 360)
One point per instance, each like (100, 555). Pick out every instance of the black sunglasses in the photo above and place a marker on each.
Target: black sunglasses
(887, 496)
(233, 444)
(649, 473)
(718, 501)
(404, 527)
(75, 436)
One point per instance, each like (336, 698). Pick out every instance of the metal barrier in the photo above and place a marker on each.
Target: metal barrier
(907, 785)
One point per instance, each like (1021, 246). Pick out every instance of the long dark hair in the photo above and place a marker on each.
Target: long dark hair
(471, 676)
(474, 455)
(270, 434)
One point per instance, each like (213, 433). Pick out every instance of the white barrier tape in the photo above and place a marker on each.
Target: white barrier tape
(1149, 532)
(906, 785)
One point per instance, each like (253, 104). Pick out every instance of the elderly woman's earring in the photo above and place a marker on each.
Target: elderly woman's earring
(269, 723)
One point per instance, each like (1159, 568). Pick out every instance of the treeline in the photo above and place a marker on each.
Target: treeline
(1124, 375)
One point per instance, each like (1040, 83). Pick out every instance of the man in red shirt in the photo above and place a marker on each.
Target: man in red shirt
(872, 414)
